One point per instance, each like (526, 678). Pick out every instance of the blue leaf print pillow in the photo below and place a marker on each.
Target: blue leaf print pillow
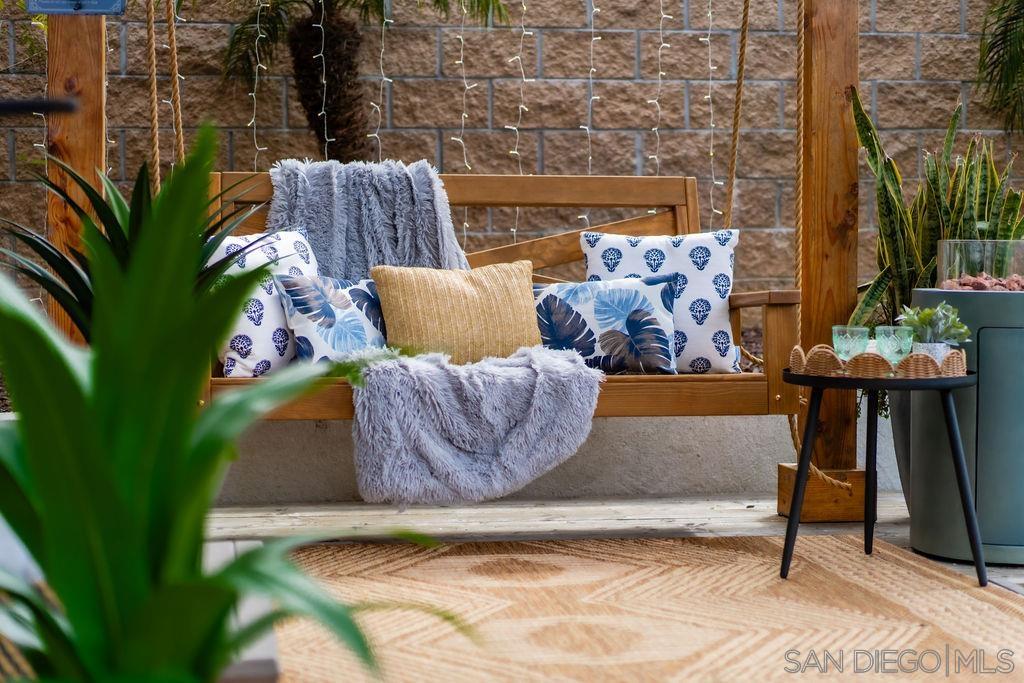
(331, 318)
(618, 326)
(259, 341)
(702, 267)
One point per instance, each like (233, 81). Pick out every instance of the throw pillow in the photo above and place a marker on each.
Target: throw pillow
(331, 318)
(467, 314)
(260, 341)
(704, 262)
(617, 326)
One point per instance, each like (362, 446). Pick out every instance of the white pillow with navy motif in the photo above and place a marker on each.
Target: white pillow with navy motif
(618, 326)
(703, 334)
(260, 341)
(331, 319)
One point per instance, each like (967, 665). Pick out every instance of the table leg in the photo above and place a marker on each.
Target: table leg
(964, 484)
(803, 468)
(871, 474)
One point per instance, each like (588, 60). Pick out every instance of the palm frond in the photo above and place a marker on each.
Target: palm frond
(1001, 62)
(268, 23)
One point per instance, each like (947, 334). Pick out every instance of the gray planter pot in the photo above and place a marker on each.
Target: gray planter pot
(902, 437)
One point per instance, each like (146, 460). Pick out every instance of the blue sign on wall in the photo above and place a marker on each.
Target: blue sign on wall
(75, 6)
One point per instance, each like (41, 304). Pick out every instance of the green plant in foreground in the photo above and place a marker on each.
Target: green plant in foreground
(122, 222)
(966, 198)
(108, 472)
(939, 325)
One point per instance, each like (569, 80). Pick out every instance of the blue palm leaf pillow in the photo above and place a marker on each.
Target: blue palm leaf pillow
(618, 326)
(260, 341)
(330, 318)
(703, 267)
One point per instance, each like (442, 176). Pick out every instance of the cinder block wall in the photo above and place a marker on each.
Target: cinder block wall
(917, 59)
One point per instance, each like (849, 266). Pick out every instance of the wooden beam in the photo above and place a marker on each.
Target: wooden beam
(829, 210)
(76, 67)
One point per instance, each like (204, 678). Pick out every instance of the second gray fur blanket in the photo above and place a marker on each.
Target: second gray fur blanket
(359, 215)
(430, 432)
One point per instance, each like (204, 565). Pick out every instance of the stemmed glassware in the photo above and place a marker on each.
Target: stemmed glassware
(893, 342)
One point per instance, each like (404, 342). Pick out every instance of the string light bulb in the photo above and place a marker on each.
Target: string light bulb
(322, 114)
(591, 98)
(260, 66)
(709, 97)
(656, 100)
(378, 106)
(466, 87)
(521, 108)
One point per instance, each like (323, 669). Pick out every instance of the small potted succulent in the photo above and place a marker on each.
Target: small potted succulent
(936, 330)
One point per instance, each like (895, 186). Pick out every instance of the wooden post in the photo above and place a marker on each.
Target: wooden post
(76, 67)
(829, 214)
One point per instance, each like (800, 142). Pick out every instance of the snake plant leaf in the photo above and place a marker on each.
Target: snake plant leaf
(1008, 215)
(265, 570)
(62, 654)
(867, 134)
(937, 192)
(927, 277)
(951, 131)
(17, 503)
(872, 298)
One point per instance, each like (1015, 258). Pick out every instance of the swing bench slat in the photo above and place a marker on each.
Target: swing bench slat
(675, 211)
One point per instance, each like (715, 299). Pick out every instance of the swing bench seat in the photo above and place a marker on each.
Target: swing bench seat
(668, 205)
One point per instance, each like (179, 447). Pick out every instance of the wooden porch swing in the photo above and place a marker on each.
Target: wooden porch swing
(747, 393)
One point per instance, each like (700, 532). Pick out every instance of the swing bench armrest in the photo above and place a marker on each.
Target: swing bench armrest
(780, 323)
(772, 297)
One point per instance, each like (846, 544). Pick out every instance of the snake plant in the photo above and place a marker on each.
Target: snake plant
(963, 198)
(108, 472)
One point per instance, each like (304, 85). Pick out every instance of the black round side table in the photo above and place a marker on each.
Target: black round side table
(945, 387)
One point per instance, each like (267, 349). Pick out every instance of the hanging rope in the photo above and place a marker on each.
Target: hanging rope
(734, 144)
(172, 45)
(154, 99)
(734, 147)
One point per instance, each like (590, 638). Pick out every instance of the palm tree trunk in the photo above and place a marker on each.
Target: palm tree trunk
(346, 119)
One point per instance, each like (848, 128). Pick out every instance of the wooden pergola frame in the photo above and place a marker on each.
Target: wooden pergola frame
(77, 67)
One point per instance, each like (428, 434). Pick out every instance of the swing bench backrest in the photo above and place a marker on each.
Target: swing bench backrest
(667, 205)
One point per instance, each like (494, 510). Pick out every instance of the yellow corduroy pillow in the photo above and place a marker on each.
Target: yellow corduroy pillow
(468, 314)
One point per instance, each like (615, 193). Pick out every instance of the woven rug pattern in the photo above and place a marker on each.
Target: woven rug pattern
(697, 609)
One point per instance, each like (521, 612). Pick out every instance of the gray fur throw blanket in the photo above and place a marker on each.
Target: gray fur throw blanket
(430, 432)
(359, 215)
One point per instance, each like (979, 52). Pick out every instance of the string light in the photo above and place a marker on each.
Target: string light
(106, 129)
(42, 27)
(378, 106)
(260, 5)
(522, 108)
(466, 87)
(173, 19)
(711, 121)
(323, 76)
(591, 98)
(460, 138)
(656, 101)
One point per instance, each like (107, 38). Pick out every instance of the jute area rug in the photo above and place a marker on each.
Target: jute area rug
(698, 609)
